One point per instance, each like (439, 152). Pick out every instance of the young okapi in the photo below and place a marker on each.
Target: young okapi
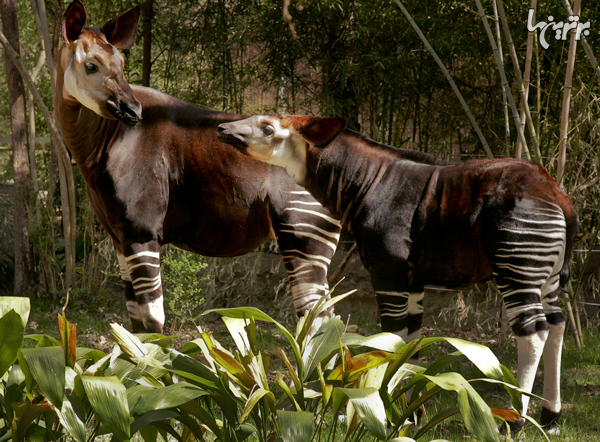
(418, 223)
(156, 174)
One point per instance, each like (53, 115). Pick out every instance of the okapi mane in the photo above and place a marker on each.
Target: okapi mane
(407, 154)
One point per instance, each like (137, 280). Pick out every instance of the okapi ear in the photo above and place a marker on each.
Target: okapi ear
(75, 18)
(120, 32)
(319, 131)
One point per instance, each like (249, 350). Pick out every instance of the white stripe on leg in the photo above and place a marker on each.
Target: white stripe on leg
(153, 310)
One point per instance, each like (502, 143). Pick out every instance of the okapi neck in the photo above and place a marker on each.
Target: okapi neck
(341, 174)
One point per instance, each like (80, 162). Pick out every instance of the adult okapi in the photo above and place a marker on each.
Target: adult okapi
(156, 174)
(418, 223)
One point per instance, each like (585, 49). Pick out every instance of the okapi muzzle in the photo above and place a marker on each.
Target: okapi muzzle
(127, 111)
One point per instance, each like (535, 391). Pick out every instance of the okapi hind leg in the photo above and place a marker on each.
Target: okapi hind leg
(143, 263)
(528, 259)
(307, 236)
(551, 408)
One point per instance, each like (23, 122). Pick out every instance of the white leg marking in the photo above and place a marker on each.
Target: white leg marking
(154, 255)
(333, 221)
(153, 310)
(530, 350)
(552, 357)
(414, 308)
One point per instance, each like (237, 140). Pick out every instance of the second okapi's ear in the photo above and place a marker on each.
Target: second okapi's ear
(120, 32)
(318, 131)
(75, 18)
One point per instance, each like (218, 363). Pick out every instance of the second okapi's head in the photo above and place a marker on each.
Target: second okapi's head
(281, 140)
(93, 66)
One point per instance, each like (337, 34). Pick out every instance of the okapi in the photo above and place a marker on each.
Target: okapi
(419, 223)
(157, 174)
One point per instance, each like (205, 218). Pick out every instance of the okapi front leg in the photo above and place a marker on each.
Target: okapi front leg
(143, 264)
(137, 325)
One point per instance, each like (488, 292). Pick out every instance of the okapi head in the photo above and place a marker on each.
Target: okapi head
(93, 65)
(281, 140)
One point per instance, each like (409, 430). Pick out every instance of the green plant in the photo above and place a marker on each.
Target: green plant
(180, 278)
(205, 392)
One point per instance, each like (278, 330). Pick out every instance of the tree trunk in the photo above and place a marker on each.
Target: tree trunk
(564, 121)
(526, 80)
(147, 15)
(22, 175)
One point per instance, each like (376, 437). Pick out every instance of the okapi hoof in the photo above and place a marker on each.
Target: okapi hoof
(515, 427)
(549, 421)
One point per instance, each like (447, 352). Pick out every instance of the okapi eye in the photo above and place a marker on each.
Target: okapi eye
(268, 130)
(91, 68)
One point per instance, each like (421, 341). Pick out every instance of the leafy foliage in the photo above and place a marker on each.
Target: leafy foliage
(144, 385)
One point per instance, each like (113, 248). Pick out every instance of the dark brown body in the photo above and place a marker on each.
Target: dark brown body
(418, 222)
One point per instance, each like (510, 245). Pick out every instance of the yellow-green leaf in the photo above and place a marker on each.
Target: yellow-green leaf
(46, 366)
(108, 398)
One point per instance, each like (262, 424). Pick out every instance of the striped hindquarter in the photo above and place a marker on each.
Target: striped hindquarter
(308, 237)
(527, 268)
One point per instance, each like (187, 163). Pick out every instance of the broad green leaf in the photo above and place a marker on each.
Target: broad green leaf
(149, 433)
(11, 330)
(130, 344)
(39, 433)
(151, 417)
(164, 398)
(71, 421)
(256, 396)
(515, 396)
(322, 345)
(295, 426)
(476, 414)
(483, 358)
(207, 418)
(108, 398)
(19, 304)
(13, 392)
(389, 342)
(46, 366)
(194, 371)
(369, 407)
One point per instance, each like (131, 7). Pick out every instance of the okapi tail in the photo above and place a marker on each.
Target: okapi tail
(572, 224)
